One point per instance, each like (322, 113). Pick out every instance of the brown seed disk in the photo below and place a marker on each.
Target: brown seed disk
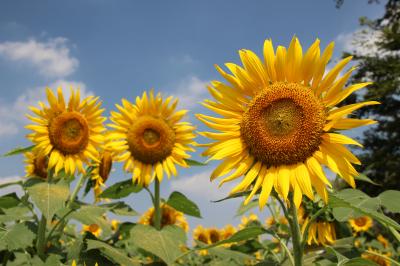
(283, 124)
(69, 132)
(150, 139)
(105, 165)
(40, 166)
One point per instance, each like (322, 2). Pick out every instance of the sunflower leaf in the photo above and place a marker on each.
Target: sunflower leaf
(111, 253)
(120, 208)
(17, 237)
(18, 150)
(49, 198)
(232, 196)
(194, 163)
(365, 178)
(244, 208)
(165, 243)
(120, 190)
(181, 203)
(390, 200)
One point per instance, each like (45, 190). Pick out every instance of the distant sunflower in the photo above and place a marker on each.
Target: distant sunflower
(94, 229)
(321, 233)
(249, 221)
(381, 259)
(383, 241)
(150, 138)
(201, 234)
(102, 168)
(278, 122)
(361, 224)
(67, 133)
(169, 216)
(36, 164)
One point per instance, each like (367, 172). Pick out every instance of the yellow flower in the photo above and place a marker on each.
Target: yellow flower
(228, 231)
(270, 221)
(150, 138)
(361, 224)
(248, 220)
(320, 233)
(36, 164)
(102, 168)
(67, 133)
(114, 224)
(92, 228)
(169, 216)
(383, 241)
(278, 122)
(201, 234)
(382, 260)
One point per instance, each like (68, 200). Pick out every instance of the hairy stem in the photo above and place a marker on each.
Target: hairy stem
(296, 234)
(157, 209)
(41, 235)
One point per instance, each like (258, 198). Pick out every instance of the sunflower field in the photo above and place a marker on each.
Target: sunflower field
(275, 125)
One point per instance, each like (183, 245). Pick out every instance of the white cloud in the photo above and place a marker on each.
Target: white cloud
(362, 42)
(52, 58)
(199, 185)
(9, 189)
(12, 116)
(191, 91)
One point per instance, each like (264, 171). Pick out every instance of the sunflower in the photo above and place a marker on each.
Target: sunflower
(382, 260)
(278, 122)
(320, 233)
(94, 229)
(67, 133)
(115, 224)
(361, 224)
(102, 168)
(169, 216)
(150, 138)
(36, 164)
(248, 221)
(383, 241)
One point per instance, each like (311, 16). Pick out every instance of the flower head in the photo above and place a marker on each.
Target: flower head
(68, 134)
(150, 138)
(36, 164)
(361, 224)
(94, 229)
(278, 122)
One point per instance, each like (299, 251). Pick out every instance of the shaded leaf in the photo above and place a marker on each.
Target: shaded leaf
(49, 198)
(244, 208)
(120, 208)
(181, 203)
(120, 190)
(89, 214)
(111, 253)
(9, 200)
(18, 237)
(164, 243)
(18, 150)
(390, 200)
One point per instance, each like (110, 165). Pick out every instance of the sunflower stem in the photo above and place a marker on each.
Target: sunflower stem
(41, 235)
(76, 190)
(157, 209)
(296, 234)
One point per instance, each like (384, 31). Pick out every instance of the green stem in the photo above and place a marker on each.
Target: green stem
(157, 209)
(41, 235)
(76, 190)
(285, 247)
(296, 234)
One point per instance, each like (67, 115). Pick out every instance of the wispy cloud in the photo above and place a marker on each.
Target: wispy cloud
(52, 58)
(12, 116)
(191, 91)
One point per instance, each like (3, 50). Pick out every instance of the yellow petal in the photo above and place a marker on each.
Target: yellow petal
(268, 182)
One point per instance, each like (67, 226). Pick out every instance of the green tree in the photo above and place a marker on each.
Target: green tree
(377, 50)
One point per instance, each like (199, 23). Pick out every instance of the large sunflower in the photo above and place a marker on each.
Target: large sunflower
(278, 122)
(67, 133)
(150, 138)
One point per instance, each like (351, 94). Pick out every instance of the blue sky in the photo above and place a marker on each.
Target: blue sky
(117, 49)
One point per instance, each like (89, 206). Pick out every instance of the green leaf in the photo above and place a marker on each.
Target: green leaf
(360, 262)
(20, 212)
(361, 204)
(18, 237)
(365, 178)
(340, 258)
(244, 234)
(194, 163)
(390, 200)
(181, 203)
(223, 253)
(89, 214)
(9, 200)
(11, 184)
(164, 243)
(111, 253)
(121, 190)
(49, 198)
(18, 150)
(89, 184)
(244, 208)
(120, 208)
(232, 196)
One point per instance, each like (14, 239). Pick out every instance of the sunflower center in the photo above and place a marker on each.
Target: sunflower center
(202, 237)
(283, 124)
(94, 228)
(150, 139)
(69, 132)
(40, 166)
(214, 236)
(105, 165)
(361, 221)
